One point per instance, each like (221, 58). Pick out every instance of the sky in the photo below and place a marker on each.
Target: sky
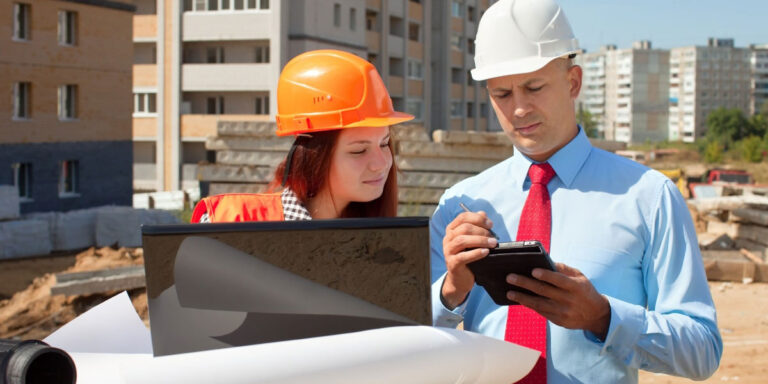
(666, 23)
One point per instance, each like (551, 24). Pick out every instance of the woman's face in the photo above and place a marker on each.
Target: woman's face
(359, 165)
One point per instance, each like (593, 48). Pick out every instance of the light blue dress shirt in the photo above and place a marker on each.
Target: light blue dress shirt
(627, 228)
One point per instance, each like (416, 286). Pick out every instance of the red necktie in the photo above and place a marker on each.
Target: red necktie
(524, 326)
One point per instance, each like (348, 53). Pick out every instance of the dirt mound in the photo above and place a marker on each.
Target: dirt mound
(34, 313)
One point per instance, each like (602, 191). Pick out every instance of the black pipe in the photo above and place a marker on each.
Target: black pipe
(34, 362)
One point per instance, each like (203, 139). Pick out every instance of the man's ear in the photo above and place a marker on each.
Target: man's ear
(574, 79)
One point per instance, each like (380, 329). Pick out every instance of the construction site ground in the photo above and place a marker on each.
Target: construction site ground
(33, 313)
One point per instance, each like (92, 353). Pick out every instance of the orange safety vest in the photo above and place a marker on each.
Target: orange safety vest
(233, 207)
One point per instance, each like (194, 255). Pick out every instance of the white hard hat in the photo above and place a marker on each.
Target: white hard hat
(521, 36)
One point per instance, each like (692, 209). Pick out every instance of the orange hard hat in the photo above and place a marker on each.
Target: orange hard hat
(329, 89)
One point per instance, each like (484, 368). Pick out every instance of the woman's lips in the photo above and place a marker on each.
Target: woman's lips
(377, 181)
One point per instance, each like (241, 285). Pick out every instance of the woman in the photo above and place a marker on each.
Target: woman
(341, 162)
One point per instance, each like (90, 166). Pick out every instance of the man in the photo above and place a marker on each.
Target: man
(630, 291)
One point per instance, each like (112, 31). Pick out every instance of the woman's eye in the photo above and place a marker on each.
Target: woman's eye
(360, 152)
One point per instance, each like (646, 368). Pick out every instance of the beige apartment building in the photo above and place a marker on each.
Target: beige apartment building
(702, 79)
(759, 82)
(626, 90)
(197, 62)
(65, 109)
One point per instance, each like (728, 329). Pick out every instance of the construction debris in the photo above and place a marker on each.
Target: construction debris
(34, 312)
(736, 226)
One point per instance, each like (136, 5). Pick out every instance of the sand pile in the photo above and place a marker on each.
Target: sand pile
(34, 313)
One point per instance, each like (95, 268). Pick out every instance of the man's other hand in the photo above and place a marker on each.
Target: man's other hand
(568, 299)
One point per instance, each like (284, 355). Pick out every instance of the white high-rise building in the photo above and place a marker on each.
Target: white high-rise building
(702, 79)
(759, 82)
(627, 91)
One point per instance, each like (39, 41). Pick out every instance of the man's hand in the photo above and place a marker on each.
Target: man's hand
(569, 299)
(466, 239)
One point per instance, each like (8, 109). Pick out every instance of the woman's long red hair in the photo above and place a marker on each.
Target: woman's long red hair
(310, 169)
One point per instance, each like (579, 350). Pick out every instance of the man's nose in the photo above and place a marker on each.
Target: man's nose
(522, 104)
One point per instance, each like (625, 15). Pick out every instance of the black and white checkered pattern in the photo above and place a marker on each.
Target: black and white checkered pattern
(293, 209)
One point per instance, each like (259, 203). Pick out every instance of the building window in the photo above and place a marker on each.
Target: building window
(352, 19)
(470, 109)
(22, 179)
(214, 55)
(469, 78)
(371, 20)
(215, 105)
(456, 42)
(21, 21)
(471, 13)
(67, 28)
(457, 109)
(337, 15)
(484, 110)
(396, 26)
(414, 32)
(144, 104)
(68, 102)
(456, 9)
(471, 45)
(415, 108)
(262, 54)
(68, 179)
(415, 70)
(373, 59)
(456, 75)
(262, 105)
(21, 100)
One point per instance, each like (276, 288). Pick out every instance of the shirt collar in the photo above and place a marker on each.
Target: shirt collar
(566, 162)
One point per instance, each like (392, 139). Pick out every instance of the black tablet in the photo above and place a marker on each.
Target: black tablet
(519, 257)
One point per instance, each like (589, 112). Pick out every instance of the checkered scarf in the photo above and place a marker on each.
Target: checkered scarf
(293, 209)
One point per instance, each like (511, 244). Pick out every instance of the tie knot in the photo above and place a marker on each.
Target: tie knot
(541, 173)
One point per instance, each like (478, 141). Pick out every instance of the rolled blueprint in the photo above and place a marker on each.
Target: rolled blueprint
(406, 354)
(34, 361)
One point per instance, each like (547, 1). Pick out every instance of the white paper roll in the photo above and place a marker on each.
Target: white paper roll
(407, 354)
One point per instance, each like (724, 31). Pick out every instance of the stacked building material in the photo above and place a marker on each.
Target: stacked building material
(733, 236)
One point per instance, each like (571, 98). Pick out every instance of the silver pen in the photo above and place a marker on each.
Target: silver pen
(464, 207)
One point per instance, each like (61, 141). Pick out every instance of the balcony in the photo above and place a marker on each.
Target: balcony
(395, 46)
(373, 4)
(145, 176)
(456, 92)
(416, 88)
(415, 11)
(145, 75)
(144, 28)
(144, 127)
(226, 77)
(395, 85)
(415, 50)
(373, 41)
(208, 26)
(457, 59)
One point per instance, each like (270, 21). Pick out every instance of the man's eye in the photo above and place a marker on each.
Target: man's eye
(501, 95)
(535, 89)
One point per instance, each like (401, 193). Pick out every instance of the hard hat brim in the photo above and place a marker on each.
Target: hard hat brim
(392, 119)
(511, 67)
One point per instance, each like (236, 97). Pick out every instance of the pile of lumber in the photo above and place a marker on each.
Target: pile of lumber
(733, 236)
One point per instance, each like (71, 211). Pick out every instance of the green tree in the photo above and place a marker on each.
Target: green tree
(758, 125)
(587, 122)
(764, 109)
(713, 152)
(727, 126)
(752, 149)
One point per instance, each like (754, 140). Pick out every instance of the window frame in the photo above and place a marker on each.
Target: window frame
(67, 100)
(68, 28)
(22, 101)
(17, 171)
(69, 169)
(21, 26)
